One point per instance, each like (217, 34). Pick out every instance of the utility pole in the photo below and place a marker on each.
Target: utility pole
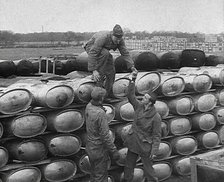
(42, 27)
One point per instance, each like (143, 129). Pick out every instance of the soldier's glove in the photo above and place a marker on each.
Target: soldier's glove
(116, 156)
(134, 75)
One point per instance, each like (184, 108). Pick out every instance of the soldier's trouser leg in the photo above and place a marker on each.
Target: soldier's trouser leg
(99, 169)
(149, 172)
(106, 70)
(110, 77)
(130, 164)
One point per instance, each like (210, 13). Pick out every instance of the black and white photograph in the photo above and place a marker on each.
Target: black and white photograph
(111, 90)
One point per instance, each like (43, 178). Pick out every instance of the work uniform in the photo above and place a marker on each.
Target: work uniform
(101, 60)
(99, 141)
(143, 138)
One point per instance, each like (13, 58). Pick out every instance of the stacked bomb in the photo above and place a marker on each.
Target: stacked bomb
(192, 115)
(46, 142)
(39, 124)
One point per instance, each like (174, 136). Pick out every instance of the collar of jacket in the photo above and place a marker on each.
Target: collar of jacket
(98, 104)
(150, 112)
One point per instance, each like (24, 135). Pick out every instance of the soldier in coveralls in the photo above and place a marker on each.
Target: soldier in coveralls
(99, 145)
(143, 138)
(100, 61)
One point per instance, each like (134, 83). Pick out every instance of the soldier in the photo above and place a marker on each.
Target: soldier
(99, 144)
(144, 136)
(101, 62)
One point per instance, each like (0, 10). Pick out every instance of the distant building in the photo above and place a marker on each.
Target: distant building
(211, 38)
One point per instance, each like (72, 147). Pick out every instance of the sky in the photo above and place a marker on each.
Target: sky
(28, 16)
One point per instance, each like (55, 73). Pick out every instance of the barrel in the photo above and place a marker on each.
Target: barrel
(1, 130)
(169, 60)
(64, 121)
(203, 121)
(123, 154)
(213, 60)
(120, 86)
(13, 101)
(59, 170)
(24, 174)
(216, 73)
(51, 95)
(219, 93)
(25, 126)
(78, 74)
(179, 125)
(7, 68)
(208, 139)
(83, 136)
(164, 129)
(163, 170)
(81, 62)
(63, 144)
(162, 108)
(182, 105)
(4, 156)
(171, 85)
(82, 88)
(147, 82)
(121, 130)
(197, 83)
(146, 61)
(124, 111)
(120, 64)
(219, 114)
(181, 166)
(23, 67)
(31, 150)
(85, 166)
(137, 177)
(68, 65)
(192, 57)
(220, 131)
(164, 151)
(184, 145)
(204, 102)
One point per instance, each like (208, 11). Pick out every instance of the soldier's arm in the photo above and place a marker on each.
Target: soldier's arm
(156, 134)
(104, 133)
(131, 95)
(125, 53)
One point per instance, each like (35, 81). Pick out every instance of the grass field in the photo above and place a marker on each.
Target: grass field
(23, 53)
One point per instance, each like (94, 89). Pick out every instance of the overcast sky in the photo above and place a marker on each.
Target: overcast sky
(27, 16)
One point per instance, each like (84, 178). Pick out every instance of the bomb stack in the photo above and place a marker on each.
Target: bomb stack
(42, 125)
(39, 126)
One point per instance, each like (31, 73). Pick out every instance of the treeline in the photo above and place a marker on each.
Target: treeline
(9, 38)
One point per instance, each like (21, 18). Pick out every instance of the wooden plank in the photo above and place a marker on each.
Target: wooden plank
(212, 159)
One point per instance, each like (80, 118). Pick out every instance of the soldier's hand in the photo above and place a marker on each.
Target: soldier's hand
(134, 75)
(152, 156)
(96, 75)
(133, 69)
(116, 156)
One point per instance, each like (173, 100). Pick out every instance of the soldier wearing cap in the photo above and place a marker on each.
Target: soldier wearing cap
(100, 61)
(99, 145)
(144, 136)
